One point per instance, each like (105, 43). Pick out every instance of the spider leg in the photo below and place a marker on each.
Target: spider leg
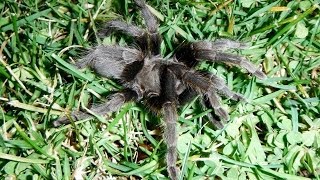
(206, 85)
(232, 59)
(150, 40)
(121, 26)
(113, 61)
(151, 21)
(214, 100)
(187, 52)
(114, 102)
(197, 80)
(224, 44)
(170, 118)
(190, 94)
(186, 96)
(191, 54)
(207, 50)
(220, 86)
(152, 26)
(170, 135)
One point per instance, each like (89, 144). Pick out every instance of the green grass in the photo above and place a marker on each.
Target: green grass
(275, 135)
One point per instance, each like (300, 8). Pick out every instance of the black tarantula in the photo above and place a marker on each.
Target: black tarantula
(162, 84)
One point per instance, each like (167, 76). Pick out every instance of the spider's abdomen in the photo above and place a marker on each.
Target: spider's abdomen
(113, 62)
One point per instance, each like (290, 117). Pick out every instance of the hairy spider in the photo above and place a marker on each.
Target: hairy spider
(162, 84)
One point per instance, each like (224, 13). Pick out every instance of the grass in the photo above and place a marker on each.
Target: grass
(275, 135)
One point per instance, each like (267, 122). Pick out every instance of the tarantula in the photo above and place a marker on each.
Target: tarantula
(161, 84)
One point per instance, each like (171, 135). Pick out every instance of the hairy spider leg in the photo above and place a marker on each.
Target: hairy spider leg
(170, 136)
(205, 85)
(166, 104)
(206, 104)
(191, 54)
(186, 53)
(220, 86)
(205, 82)
(225, 44)
(189, 94)
(152, 27)
(140, 35)
(170, 118)
(215, 100)
(123, 27)
(205, 50)
(114, 102)
(148, 41)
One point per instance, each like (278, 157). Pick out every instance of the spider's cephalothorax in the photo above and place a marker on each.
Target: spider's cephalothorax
(162, 84)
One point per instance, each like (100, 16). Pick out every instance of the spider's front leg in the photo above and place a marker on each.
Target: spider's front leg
(113, 61)
(123, 27)
(114, 102)
(206, 50)
(152, 26)
(150, 40)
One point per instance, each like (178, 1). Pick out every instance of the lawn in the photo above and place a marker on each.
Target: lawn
(275, 134)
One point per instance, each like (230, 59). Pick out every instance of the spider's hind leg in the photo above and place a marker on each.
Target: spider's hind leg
(215, 102)
(188, 94)
(113, 104)
(206, 85)
(221, 88)
(170, 135)
(167, 103)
